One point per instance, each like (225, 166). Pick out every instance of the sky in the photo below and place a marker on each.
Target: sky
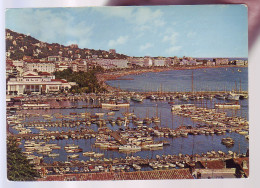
(194, 31)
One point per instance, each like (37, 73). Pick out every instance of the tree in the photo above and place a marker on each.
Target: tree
(18, 167)
(87, 81)
(17, 55)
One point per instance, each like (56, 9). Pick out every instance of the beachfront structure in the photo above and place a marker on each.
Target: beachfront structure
(210, 63)
(239, 62)
(39, 66)
(32, 82)
(112, 63)
(138, 61)
(148, 62)
(184, 62)
(193, 62)
(159, 62)
(221, 61)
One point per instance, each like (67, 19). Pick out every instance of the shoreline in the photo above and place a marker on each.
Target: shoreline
(103, 77)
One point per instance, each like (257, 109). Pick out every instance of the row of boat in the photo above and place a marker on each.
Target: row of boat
(212, 117)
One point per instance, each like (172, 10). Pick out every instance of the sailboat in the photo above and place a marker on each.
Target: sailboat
(137, 98)
(125, 123)
(233, 96)
(156, 119)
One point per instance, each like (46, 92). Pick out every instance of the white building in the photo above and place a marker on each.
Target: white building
(159, 62)
(112, 63)
(38, 66)
(239, 62)
(61, 67)
(31, 82)
(210, 63)
(138, 61)
(148, 62)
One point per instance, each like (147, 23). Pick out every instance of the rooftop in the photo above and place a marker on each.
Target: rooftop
(213, 164)
(139, 175)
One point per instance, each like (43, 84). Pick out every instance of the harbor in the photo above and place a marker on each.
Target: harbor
(164, 132)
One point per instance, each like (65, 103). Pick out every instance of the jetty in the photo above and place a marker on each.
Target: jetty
(118, 138)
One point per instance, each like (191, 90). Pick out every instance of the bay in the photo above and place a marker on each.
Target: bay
(207, 79)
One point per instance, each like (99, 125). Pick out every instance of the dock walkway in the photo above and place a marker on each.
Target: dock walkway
(118, 138)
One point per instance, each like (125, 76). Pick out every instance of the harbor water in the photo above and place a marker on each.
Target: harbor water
(204, 79)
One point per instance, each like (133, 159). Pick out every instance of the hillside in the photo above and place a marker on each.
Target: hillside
(19, 45)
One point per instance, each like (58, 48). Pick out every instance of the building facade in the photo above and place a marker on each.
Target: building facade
(112, 63)
(32, 83)
(221, 61)
(38, 66)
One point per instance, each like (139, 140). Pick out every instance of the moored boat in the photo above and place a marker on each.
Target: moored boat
(136, 167)
(73, 156)
(137, 98)
(233, 96)
(228, 105)
(114, 105)
(129, 148)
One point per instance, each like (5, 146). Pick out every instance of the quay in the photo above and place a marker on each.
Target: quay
(87, 133)
(118, 138)
(117, 94)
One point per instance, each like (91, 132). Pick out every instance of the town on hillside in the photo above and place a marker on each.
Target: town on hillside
(31, 65)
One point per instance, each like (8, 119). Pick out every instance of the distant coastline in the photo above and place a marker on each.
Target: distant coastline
(116, 75)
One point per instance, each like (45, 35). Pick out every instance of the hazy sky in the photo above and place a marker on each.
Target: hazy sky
(197, 31)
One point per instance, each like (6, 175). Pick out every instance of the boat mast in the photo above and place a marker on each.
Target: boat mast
(157, 110)
(240, 89)
(192, 89)
(161, 89)
(172, 120)
(193, 145)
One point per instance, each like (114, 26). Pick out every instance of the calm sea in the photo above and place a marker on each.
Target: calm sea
(210, 79)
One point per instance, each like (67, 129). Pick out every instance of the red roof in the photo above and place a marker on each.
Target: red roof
(213, 164)
(140, 175)
(37, 61)
(18, 98)
(58, 80)
(30, 74)
(239, 162)
(44, 73)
